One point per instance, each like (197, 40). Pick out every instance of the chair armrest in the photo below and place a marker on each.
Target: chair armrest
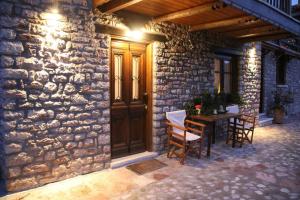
(199, 131)
(195, 123)
(176, 126)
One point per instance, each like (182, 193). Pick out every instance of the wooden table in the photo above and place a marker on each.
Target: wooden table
(212, 119)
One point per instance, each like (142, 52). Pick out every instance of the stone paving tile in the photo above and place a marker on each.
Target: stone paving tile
(267, 169)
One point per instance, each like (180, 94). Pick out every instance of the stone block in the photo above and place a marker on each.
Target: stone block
(60, 79)
(50, 155)
(14, 73)
(18, 159)
(8, 34)
(88, 143)
(42, 76)
(61, 170)
(37, 114)
(21, 184)
(50, 88)
(11, 48)
(78, 99)
(70, 145)
(17, 136)
(12, 148)
(14, 172)
(61, 160)
(35, 168)
(6, 61)
(5, 8)
(69, 89)
(82, 129)
(45, 141)
(66, 137)
(13, 115)
(15, 94)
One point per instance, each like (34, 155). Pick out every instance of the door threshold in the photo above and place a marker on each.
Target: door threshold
(127, 160)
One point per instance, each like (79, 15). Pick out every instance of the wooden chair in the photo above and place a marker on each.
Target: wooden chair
(183, 135)
(244, 127)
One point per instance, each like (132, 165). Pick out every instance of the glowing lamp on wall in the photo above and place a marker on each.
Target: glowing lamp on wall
(134, 34)
(51, 28)
(252, 59)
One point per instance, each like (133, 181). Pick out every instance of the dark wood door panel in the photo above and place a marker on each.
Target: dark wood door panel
(128, 112)
(120, 139)
(137, 132)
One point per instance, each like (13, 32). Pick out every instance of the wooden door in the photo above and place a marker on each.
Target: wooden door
(128, 98)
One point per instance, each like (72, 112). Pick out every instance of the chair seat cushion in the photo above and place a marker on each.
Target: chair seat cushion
(189, 136)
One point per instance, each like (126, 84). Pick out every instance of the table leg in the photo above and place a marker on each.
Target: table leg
(234, 132)
(214, 132)
(209, 136)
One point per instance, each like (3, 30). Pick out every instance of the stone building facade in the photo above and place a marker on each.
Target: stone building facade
(55, 120)
(291, 85)
(55, 100)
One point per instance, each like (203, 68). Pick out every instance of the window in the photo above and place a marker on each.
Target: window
(118, 76)
(281, 70)
(225, 77)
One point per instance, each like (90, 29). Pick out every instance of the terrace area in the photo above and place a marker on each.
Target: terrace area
(267, 169)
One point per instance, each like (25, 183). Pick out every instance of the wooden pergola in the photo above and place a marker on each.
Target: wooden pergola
(246, 21)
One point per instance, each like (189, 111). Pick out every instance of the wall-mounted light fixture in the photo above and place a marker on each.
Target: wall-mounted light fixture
(136, 35)
(252, 54)
(52, 26)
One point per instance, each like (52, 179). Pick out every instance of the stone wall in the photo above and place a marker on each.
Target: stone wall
(249, 78)
(54, 93)
(181, 74)
(269, 74)
(292, 82)
(55, 119)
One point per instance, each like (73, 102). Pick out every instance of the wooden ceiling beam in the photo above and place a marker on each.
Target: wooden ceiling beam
(97, 3)
(259, 29)
(115, 5)
(191, 11)
(240, 27)
(223, 23)
(266, 37)
(261, 34)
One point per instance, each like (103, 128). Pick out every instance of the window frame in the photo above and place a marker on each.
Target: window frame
(281, 65)
(233, 72)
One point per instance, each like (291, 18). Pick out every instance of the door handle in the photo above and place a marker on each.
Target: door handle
(145, 96)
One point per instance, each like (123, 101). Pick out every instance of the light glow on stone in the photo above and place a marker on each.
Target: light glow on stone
(134, 35)
(252, 59)
(52, 28)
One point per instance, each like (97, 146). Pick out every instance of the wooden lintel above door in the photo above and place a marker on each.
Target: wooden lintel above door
(111, 30)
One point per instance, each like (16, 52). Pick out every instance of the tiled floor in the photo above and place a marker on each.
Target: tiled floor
(268, 169)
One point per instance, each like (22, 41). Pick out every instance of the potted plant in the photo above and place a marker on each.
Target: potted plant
(234, 98)
(208, 104)
(190, 108)
(278, 109)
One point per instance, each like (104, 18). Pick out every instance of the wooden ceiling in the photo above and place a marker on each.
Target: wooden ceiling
(210, 15)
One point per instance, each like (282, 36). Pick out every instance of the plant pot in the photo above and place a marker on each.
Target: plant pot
(278, 116)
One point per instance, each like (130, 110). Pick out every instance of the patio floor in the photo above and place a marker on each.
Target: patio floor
(268, 169)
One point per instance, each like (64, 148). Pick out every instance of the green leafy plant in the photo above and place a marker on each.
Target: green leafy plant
(197, 101)
(277, 101)
(208, 103)
(190, 108)
(234, 98)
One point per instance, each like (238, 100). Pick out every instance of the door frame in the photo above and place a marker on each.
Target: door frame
(149, 86)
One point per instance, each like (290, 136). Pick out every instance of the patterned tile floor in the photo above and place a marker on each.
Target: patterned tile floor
(267, 169)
